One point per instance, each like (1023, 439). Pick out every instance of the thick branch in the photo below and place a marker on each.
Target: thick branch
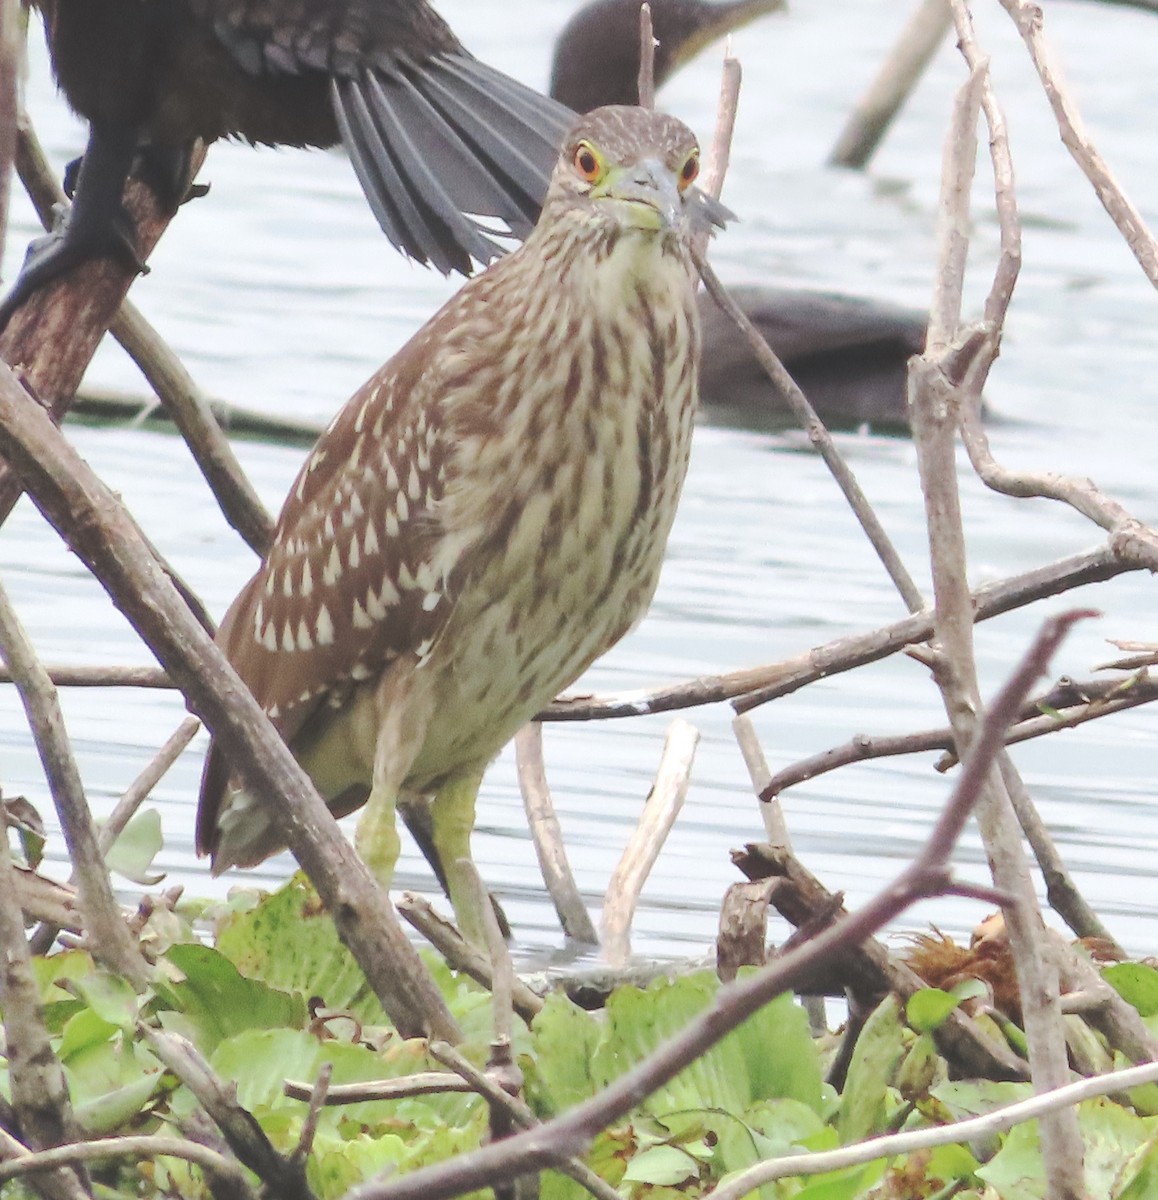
(101, 533)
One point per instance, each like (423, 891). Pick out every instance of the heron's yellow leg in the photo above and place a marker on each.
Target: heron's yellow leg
(452, 819)
(402, 712)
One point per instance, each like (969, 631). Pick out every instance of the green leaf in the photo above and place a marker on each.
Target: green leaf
(110, 997)
(770, 1054)
(1016, 1171)
(117, 1108)
(217, 1001)
(662, 1165)
(132, 854)
(82, 1031)
(874, 1059)
(1140, 1177)
(564, 1037)
(1136, 983)
(928, 1008)
(289, 941)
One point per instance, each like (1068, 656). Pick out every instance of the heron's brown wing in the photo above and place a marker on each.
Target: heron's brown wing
(437, 138)
(349, 582)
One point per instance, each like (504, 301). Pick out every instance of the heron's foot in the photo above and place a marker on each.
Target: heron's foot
(70, 244)
(377, 842)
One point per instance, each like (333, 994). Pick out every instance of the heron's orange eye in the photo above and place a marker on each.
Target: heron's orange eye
(587, 163)
(690, 170)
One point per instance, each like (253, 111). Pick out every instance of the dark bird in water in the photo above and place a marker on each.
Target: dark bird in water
(847, 354)
(486, 516)
(443, 145)
(597, 54)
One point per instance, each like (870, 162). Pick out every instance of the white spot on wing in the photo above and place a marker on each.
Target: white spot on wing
(305, 641)
(324, 627)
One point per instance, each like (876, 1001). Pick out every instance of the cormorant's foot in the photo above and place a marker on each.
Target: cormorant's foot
(168, 171)
(55, 254)
(165, 169)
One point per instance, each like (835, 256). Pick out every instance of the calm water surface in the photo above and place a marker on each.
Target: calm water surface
(279, 293)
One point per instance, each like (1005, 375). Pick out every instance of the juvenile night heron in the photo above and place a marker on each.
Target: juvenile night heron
(437, 138)
(488, 513)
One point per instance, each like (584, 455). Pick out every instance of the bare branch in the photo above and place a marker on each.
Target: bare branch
(997, 1121)
(147, 1146)
(547, 836)
(1030, 22)
(660, 811)
(185, 402)
(107, 933)
(646, 58)
(869, 121)
(569, 1134)
(103, 536)
(784, 385)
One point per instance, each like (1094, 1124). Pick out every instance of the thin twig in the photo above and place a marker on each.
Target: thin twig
(547, 836)
(771, 812)
(660, 811)
(646, 85)
(570, 1134)
(821, 439)
(141, 1146)
(105, 928)
(1029, 19)
(974, 1128)
(869, 121)
(460, 954)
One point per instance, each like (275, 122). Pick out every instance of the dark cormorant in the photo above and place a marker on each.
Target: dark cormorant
(432, 132)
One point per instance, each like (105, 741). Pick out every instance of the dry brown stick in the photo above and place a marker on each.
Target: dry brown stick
(547, 836)
(186, 404)
(771, 812)
(460, 954)
(133, 1148)
(869, 970)
(283, 1176)
(1029, 20)
(108, 935)
(148, 779)
(105, 538)
(478, 1081)
(749, 688)
(927, 875)
(123, 812)
(661, 808)
(421, 1083)
(51, 339)
(646, 80)
(11, 71)
(863, 747)
(36, 1080)
(821, 439)
(869, 121)
(111, 676)
(955, 363)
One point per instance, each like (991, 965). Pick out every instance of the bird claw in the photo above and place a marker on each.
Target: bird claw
(70, 244)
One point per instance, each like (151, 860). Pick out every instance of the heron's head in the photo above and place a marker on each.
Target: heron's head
(627, 168)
